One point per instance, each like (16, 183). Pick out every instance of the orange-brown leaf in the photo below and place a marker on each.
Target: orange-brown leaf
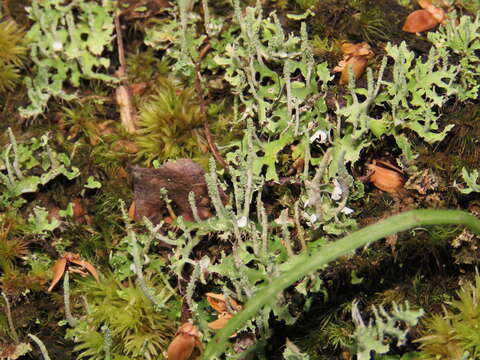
(58, 270)
(358, 64)
(85, 264)
(181, 347)
(418, 21)
(386, 176)
(217, 301)
(220, 322)
(424, 3)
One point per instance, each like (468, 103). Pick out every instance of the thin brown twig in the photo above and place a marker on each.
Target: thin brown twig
(208, 133)
(122, 71)
(128, 113)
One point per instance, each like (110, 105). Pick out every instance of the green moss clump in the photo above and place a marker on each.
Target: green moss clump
(12, 54)
(455, 333)
(171, 125)
(137, 329)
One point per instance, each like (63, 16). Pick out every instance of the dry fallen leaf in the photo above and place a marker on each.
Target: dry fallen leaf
(425, 19)
(62, 264)
(15, 351)
(220, 322)
(186, 345)
(217, 301)
(355, 56)
(58, 270)
(386, 176)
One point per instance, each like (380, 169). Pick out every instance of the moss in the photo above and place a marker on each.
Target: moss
(171, 125)
(454, 333)
(358, 20)
(12, 54)
(138, 330)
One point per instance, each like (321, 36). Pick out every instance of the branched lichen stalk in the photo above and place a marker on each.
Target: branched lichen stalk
(41, 345)
(206, 17)
(16, 166)
(9, 318)
(193, 206)
(107, 341)
(66, 299)
(138, 271)
(304, 263)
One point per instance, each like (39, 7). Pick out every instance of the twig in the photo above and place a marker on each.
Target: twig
(128, 114)
(9, 317)
(206, 127)
(122, 71)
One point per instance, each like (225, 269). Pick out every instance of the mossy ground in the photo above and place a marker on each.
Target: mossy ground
(422, 269)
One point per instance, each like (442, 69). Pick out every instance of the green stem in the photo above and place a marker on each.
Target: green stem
(304, 263)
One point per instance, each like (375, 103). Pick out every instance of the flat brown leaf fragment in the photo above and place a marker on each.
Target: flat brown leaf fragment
(85, 264)
(14, 351)
(220, 322)
(186, 345)
(58, 270)
(218, 303)
(425, 19)
(355, 56)
(62, 265)
(386, 176)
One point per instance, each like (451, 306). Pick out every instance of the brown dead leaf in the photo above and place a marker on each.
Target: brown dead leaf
(355, 56)
(425, 19)
(386, 176)
(217, 301)
(138, 88)
(14, 351)
(125, 146)
(58, 270)
(220, 322)
(131, 211)
(62, 264)
(85, 264)
(105, 127)
(186, 345)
